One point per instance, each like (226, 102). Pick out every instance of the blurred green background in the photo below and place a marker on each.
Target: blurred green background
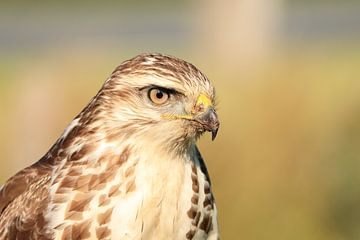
(286, 163)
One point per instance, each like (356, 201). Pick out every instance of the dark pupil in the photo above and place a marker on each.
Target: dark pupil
(159, 94)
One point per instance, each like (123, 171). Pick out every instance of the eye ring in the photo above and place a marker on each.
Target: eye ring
(158, 96)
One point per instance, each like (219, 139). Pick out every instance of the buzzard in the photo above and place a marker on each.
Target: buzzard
(127, 166)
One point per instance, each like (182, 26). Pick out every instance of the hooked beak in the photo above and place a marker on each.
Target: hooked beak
(207, 117)
(210, 121)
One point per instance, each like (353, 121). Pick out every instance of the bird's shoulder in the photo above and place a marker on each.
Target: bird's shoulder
(20, 182)
(22, 200)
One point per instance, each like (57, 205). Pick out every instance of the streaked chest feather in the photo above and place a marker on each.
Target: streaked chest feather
(121, 196)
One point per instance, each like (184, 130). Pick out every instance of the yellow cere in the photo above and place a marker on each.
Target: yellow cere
(204, 100)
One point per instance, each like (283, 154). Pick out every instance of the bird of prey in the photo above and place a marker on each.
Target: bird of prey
(127, 166)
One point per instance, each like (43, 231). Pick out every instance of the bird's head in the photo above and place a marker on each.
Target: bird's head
(159, 97)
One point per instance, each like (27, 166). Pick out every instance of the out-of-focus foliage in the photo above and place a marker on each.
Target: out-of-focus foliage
(285, 164)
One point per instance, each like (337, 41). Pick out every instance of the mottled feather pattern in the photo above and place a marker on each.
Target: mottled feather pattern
(119, 171)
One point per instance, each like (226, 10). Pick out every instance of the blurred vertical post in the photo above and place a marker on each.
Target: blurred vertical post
(238, 33)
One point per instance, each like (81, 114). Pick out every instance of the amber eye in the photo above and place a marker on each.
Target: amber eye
(158, 96)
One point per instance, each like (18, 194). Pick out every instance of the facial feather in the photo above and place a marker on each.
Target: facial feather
(126, 110)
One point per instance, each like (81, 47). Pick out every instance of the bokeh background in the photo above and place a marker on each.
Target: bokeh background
(286, 163)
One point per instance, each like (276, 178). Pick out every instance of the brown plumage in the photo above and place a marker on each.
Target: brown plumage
(127, 166)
